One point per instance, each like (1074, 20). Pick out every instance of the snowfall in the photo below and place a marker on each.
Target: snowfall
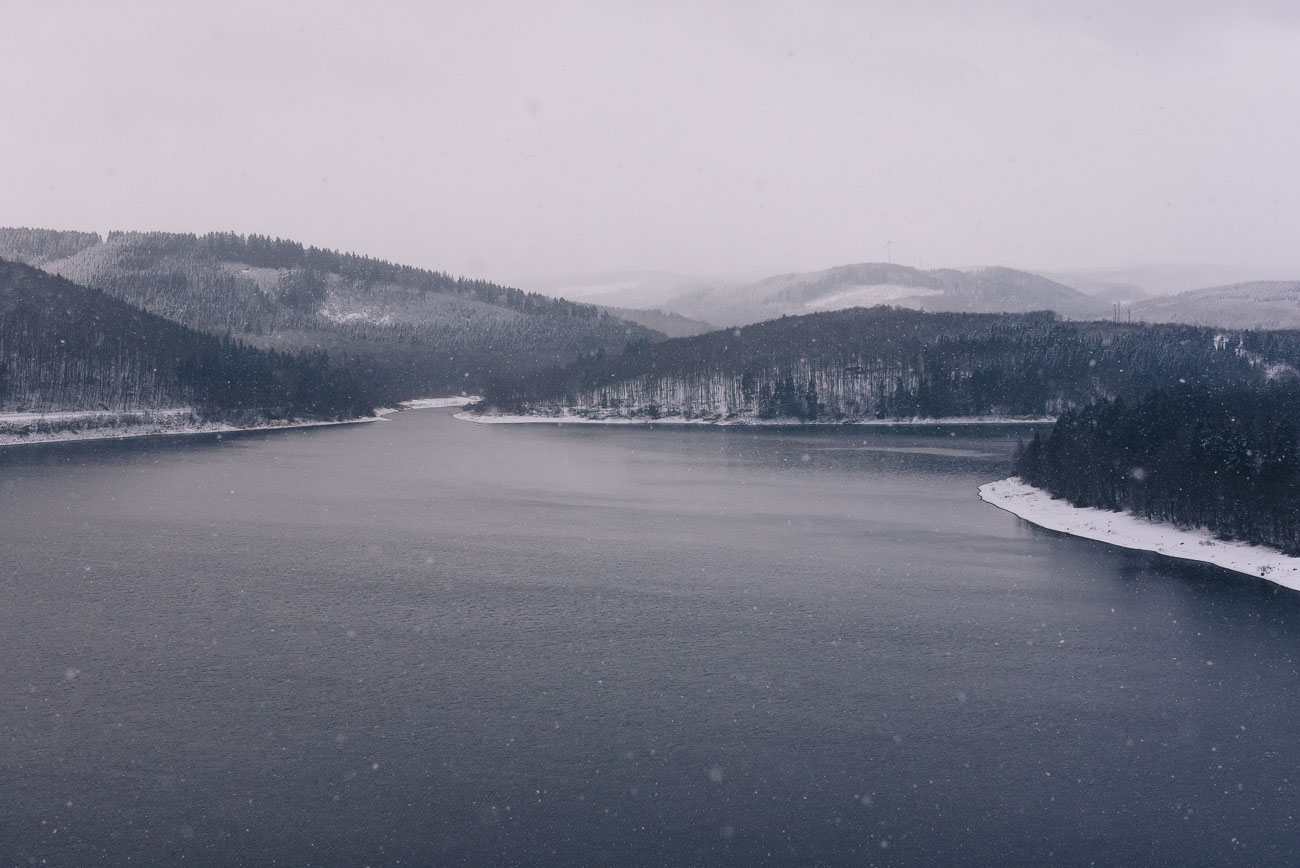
(1129, 531)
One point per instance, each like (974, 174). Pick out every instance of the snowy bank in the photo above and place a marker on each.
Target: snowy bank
(17, 429)
(576, 419)
(435, 403)
(1129, 531)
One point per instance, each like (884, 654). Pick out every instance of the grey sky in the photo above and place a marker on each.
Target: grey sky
(511, 139)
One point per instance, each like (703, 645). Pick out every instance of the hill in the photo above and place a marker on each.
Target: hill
(984, 290)
(672, 325)
(1134, 282)
(410, 329)
(64, 347)
(883, 363)
(627, 289)
(1101, 288)
(1265, 304)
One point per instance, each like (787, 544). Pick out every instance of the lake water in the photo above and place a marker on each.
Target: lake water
(426, 642)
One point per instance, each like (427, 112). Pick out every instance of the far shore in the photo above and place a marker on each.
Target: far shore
(574, 419)
(1130, 531)
(16, 428)
(128, 430)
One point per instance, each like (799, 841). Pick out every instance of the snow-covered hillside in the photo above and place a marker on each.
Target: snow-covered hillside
(1268, 304)
(982, 290)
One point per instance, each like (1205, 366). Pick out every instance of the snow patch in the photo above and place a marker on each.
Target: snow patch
(435, 403)
(1280, 371)
(1129, 531)
(869, 296)
(332, 313)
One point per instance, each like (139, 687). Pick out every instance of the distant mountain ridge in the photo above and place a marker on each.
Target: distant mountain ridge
(1263, 304)
(626, 289)
(1101, 288)
(985, 290)
(1157, 279)
(412, 329)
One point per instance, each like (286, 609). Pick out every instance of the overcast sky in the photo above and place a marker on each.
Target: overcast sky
(509, 140)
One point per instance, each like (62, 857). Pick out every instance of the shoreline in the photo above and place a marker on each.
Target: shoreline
(155, 423)
(1132, 532)
(571, 419)
(152, 429)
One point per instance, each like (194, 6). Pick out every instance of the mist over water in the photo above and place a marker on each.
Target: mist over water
(429, 642)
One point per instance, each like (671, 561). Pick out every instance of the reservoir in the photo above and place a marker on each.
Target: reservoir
(428, 642)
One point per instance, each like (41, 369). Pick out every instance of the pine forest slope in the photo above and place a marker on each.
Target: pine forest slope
(410, 329)
(1226, 458)
(64, 347)
(672, 325)
(879, 363)
(39, 246)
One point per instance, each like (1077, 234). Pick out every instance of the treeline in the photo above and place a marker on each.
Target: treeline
(260, 251)
(896, 363)
(34, 246)
(1225, 457)
(66, 347)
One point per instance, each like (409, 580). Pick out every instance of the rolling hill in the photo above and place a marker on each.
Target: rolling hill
(64, 347)
(411, 330)
(672, 325)
(1134, 282)
(1265, 304)
(984, 290)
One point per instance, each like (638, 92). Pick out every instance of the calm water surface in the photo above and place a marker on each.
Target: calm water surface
(425, 642)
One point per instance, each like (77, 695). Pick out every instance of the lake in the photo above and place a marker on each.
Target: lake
(427, 642)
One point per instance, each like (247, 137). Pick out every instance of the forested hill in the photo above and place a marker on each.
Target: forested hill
(413, 330)
(1226, 458)
(66, 347)
(39, 246)
(893, 363)
(672, 325)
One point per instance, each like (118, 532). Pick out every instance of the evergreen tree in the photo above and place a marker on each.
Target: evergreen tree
(1224, 457)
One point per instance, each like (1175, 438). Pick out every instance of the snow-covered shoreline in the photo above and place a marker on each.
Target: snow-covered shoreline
(1129, 531)
(574, 419)
(18, 429)
(162, 423)
(436, 403)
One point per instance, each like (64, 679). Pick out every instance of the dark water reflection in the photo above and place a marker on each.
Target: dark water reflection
(429, 642)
